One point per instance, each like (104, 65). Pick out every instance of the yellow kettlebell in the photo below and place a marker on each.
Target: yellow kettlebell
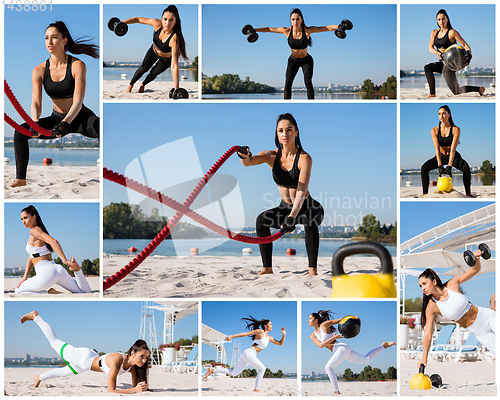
(363, 285)
(420, 380)
(445, 183)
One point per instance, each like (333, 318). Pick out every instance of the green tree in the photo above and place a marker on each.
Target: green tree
(268, 373)
(368, 86)
(392, 373)
(87, 267)
(486, 167)
(348, 374)
(194, 67)
(370, 227)
(279, 374)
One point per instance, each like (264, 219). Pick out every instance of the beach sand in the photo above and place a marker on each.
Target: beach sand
(468, 378)
(156, 90)
(54, 182)
(10, 283)
(209, 276)
(445, 93)
(18, 382)
(225, 386)
(325, 388)
(481, 192)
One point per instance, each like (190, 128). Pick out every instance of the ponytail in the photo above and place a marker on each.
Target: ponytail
(253, 324)
(78, 46)
(31, 210)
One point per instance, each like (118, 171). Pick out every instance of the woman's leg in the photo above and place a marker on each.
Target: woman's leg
(429, 70)
(291, 71)
(45, 277)
(149, 59)
(78, 284)
(484, 328)
(307, 68)
(249, 357)
(311, 216)
(162, 65)
(272, 218)
(86, 123)
(359, 359)
(451, 80)
(427, 167)
(462, 165)
(340, 352)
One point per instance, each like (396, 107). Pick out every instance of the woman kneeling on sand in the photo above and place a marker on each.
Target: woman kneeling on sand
(79, 359)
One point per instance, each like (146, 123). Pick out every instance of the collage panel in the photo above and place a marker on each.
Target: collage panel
(448, 256)
(253, 341)
(150, 52)
(442, 56)
(462, 135)
(54, 348)
(58, 157)
(46, 255)
(320, 52)
(349, 191)
(349, 348)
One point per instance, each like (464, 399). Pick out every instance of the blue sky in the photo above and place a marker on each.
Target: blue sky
(134, 45)
(418, 21)
(378, 324)
(74, 225)
(417, 218)
(107, 326)
(337, 61)
(225, 317)
(353, 162)
(477, 132)
(81, 20)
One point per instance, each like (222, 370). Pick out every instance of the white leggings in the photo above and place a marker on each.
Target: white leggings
(483, 328)
(48, 273)
(249, 356)
(80, 358)
(343, 352)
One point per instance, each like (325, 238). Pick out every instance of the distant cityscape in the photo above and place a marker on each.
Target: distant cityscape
(416, 171)
(322, 376)
(72, 138)
(137, 64)
(467, 70)
(27, 359)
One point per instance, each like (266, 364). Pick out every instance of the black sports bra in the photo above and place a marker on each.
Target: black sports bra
(298, 44)
(287, 179)
(444, 42)
(59, 90)
(163, 46)
(445, 141)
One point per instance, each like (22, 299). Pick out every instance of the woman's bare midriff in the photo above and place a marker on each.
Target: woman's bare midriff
(469, 317)
(257, 349)
(299, 53)
(36, 260)
(160, 53)
(95, 365)
(288, 194)
(62, 105)
(445, 150)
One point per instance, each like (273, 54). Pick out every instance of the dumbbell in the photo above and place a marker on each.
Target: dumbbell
(345, 25)
(117, 26)
(180, 93)
(469, 257)
(436, 380)
(252, 36)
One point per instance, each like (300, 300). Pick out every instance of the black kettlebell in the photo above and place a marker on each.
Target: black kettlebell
(117, 26)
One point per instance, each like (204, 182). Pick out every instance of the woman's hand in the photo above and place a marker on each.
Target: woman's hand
(22, 280)
(283, 331)
(73, 265)
(141, 387)
(229, 338)
(244, 152)
(421, 362)
(337, 336)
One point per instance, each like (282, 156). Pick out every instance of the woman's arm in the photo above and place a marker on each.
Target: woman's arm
(319, 29)
(27, 270)
(36, 91)
(305, 165)
(454, 144)
(327, 342)
(435, 142)
(265, 156)
(250, 333)
(116, 361)
(175, 60)
(40, 235)
(429, 327)
(456, 281)
(80, 74)
(154, 22)
(281, 341)
(454, 35)
(432, 49)
(283, 30)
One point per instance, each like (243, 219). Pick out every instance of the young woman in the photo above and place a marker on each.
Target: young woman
(291, 167)
(446, 137)
(299, 38)
(441, 39)
(168, 45)
(259, 333)
(64, 79)
(447, 300)
(39, 247)
(80, 359)
(324, 335)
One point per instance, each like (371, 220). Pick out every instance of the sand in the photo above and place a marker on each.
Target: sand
(10, 283)
(481, 192)
(225, 386)
(156, 90)
(18, 382)
(209, 276)
(54, 182)
(445, 93)
(325, 388)
(467, 378)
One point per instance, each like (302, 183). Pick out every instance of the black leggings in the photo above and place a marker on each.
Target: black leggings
(150, 58)
(294, 63)
(458, 163)
(449, 76)
(310, 215)
(85, 123)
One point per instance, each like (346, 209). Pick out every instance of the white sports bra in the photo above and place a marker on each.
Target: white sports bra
(454, 306)
(105, 368)
(323, 336)
(262, 343)
(35, 252)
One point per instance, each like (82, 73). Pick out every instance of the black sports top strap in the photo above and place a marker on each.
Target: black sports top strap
(298, 44)
(59, 90)
(288, 179)
(444, 42)
(445, 141)
(163, 46)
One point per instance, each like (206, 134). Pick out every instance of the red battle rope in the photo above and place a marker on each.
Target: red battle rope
(181, 210)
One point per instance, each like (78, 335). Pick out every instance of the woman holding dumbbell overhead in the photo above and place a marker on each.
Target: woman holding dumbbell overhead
(446, 137)
(168, 45)
(291, 167)
(325, 335)
(442, 39)
(299, 38)
(448, 300)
